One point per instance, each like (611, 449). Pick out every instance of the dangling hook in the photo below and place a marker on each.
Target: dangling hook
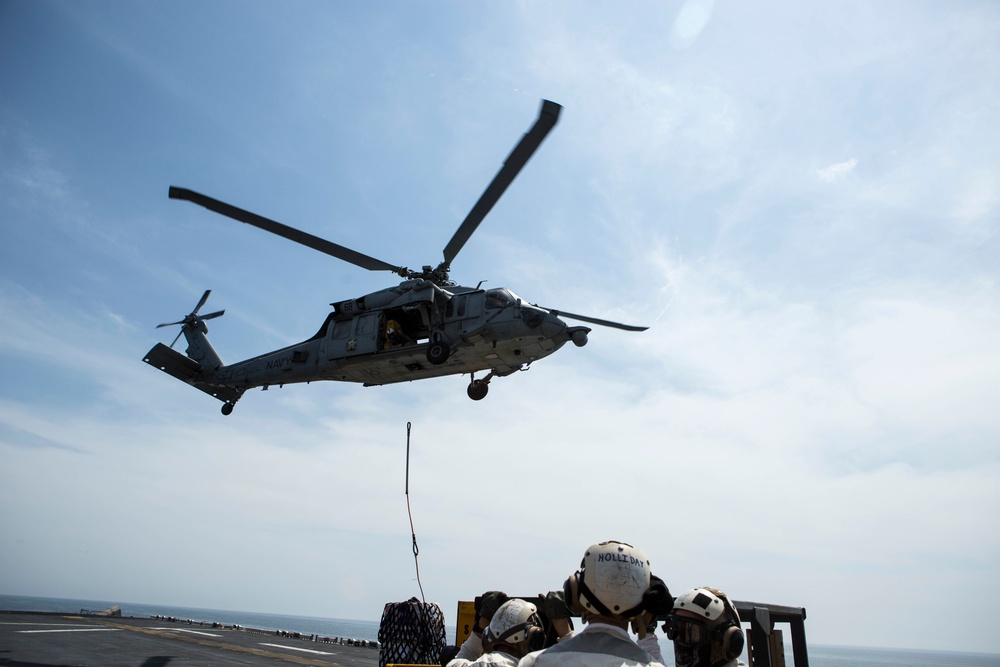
(413, 532)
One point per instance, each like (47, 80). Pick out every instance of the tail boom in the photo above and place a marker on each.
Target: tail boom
(188, 370)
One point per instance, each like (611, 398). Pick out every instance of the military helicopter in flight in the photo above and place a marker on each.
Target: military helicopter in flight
(426, 326)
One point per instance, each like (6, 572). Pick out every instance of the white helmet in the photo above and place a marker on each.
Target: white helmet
(709, 604)
(516, 623)
(612, 579)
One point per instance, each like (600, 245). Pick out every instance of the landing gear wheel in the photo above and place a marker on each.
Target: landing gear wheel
(227, 408)
(478, 389)
(437, 352)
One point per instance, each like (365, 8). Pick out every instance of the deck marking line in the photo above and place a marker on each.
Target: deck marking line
(57, 625)
(296, 648)
(30, 632)
(193, 632)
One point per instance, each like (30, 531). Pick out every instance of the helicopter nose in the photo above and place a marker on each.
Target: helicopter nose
(552, 326)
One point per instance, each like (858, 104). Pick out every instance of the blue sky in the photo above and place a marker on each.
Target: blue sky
(802, 201)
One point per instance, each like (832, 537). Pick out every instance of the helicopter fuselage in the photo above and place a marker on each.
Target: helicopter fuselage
(385, 337)
(502, 339)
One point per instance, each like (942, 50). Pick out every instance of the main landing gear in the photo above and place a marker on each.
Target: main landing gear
(230, 402)
(438, 352)
(479, 388)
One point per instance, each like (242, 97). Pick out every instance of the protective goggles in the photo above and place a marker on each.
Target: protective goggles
(687, 630)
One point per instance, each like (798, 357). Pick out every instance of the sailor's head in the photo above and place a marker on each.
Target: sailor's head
(515, 629)
(704, 626)
(610, 583)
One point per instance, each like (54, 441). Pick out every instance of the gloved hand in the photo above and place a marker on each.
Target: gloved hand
(657, 601)
(487, 605)
(644, 624)
(448, 654)
(554, 605)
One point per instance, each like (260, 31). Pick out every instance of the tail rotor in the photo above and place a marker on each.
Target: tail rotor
(193, 319)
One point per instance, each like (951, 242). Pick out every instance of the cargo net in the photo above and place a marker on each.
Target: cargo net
(411, 633)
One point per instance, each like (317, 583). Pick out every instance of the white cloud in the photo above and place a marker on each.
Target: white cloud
(692, 18)
(837, 171)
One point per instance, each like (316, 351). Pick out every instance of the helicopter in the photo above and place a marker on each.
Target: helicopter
(426, 326)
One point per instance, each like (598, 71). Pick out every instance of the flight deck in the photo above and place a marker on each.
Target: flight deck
(64, 640)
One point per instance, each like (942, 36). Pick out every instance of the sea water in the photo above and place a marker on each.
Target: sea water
(846, 656)
(819, 655)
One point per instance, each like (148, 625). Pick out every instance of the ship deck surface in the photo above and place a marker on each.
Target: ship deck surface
(57, 640)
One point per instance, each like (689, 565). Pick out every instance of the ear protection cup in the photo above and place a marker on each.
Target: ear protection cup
(535, 638)
(487, 641)
(733, 641)
(571, 593)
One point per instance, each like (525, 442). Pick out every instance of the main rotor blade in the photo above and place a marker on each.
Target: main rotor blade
(518, 157)
(290, 233)
(169, 324)
(594, 320)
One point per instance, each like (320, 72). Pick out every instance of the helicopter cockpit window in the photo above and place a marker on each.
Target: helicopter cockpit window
(499, 298)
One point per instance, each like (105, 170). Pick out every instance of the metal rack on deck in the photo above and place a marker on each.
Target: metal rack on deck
(765, 647)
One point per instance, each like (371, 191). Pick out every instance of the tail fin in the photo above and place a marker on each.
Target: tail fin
(194, 329)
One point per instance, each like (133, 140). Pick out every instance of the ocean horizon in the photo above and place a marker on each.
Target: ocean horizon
(820, 655)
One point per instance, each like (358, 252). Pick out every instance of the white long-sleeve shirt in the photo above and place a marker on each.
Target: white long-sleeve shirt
(470, 654)
(597, 645)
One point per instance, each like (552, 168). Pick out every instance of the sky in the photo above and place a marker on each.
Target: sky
(801, 200)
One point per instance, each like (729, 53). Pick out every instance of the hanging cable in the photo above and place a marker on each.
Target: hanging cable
(416, 549)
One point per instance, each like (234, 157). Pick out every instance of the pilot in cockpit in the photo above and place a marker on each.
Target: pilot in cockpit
(498, 298)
